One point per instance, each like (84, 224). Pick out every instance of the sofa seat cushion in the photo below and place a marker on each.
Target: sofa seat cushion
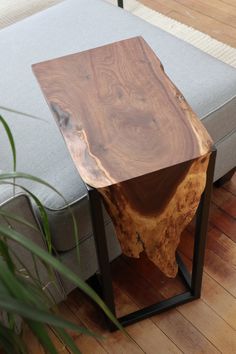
(72, 26)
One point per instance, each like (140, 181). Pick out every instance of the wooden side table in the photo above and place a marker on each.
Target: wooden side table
(140, 148)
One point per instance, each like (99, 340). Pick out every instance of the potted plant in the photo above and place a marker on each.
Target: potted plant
(21, 294)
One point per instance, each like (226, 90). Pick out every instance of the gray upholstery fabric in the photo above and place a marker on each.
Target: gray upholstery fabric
(88, 259)
(21, 207)
(76, 25)
(221, 121)
(226, 153)
(61, 224)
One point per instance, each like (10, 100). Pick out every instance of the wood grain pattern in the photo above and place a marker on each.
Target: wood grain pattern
(135, 281)
(120, 115)
(231, 185)
(132, 136)
(156, 230)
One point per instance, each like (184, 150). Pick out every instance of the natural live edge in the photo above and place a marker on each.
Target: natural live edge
(156, 232)
(113, 104)
(135, 139)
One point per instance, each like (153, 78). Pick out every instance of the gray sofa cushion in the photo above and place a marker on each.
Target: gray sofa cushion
(76, 25)
(226, 154)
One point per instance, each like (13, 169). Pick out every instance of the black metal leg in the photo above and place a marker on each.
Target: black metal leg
(120, 3)
(193, 283)
(101, 248)
(183, 271)
(201, 230)
(156, 308)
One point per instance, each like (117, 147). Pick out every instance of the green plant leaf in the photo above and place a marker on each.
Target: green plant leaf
(38, 292)
(42, 210)
(8, 215)
(41, 333)
(4, 291)
(11, 342)
(68, 341)
(13, 284)
(14, 175)
(18, 296)
(20, 289)
(35, 283)
(46, 229)
(61, 268)
(22, 113)
(30, 312)
(11, 140)
(4, 252)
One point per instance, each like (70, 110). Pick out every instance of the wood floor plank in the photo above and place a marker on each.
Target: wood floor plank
(88, 345)
(221, 11)
(85, 343)
(225, 200)
(222, 245)
(216, 297)
(223, 221)
(230, 2)
(220, 300)
(185, 336)
(162, 7)
(148, 270)
(231, 185)
(91, 316)
(61, 348)
(211, 325)
(219, 269)
(33, 344)
(67, 313)
(201, 21)
(221, 272)
(172, 323)
(220, 31)
(132, 280)
(148, 336)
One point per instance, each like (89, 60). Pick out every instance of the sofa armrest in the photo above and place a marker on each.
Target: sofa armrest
(20, 205)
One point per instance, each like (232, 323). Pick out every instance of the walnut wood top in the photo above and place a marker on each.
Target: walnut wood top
(133, 137)
(119, 113)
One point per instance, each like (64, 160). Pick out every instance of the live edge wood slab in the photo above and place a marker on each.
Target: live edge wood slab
(134, 138)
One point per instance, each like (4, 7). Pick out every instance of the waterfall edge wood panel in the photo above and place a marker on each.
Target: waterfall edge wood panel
(133, 137)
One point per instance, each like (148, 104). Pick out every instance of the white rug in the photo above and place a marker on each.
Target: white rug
(15, 10)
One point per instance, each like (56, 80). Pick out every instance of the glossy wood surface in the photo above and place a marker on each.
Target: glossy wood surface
(120, 115)
(132, 135)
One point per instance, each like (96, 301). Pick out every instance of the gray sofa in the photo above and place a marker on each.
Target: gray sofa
(72, 26)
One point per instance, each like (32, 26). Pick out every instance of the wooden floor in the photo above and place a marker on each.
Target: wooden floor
(214, 17)
(206, 326)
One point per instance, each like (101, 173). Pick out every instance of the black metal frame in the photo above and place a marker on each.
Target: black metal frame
(120, 3)
(193, 283)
